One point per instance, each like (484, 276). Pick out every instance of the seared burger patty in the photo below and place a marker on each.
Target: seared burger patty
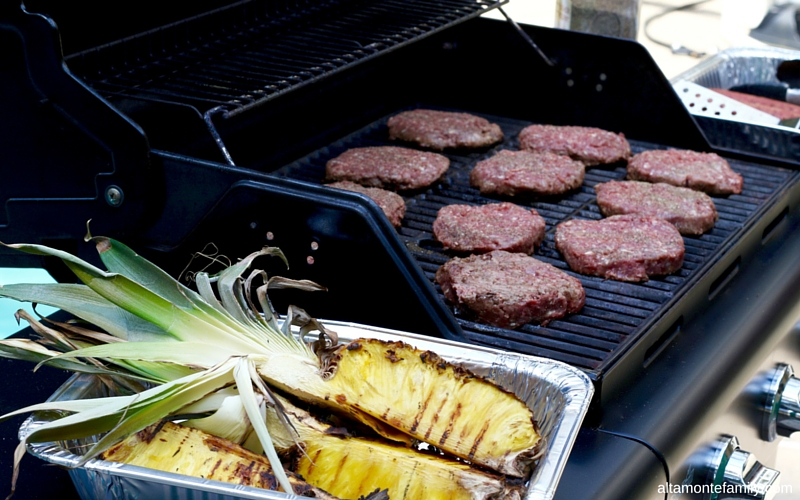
(706, 172)
(387, 167)
(508, 290)
(592, 146)
(443, 129)
(391, 203)
(623, 247)
(483, 228)
(516, 172)
(692, 212)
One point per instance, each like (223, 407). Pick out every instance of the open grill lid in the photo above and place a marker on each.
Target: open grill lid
(214, 60)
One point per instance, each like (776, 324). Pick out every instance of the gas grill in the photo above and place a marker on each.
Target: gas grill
(175, 127)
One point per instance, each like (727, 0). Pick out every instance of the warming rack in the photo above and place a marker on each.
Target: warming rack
(235, 58)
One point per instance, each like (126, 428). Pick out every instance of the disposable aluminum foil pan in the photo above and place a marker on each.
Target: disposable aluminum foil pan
(557, 393)
(740, 66)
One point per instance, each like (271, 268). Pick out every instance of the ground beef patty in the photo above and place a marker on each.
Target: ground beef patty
(692, 212)
(443, 129)
(623, 247)
(702, 171)
(387, 167)
(592, 146)
(510, 289)
(516, 172)
(779, 109)
(483, 228)
(391, 203)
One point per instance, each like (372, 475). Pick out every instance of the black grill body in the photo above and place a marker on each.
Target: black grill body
(141, 108)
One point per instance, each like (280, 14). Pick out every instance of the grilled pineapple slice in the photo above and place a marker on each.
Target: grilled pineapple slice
(351, 467)
(170, 447)
(424, 396)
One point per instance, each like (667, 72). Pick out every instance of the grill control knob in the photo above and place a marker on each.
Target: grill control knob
(735, 473)
(781, 403)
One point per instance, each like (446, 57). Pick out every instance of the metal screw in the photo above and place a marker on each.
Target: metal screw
(114, 196)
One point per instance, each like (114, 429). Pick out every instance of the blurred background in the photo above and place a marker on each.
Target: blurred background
(678, 33)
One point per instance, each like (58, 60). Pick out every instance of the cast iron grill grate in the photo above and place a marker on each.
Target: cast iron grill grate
(616, 313)
(241, 56)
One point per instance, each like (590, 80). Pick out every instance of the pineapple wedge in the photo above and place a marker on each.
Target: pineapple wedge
(174, 448)
(351, 467)
(422, 395)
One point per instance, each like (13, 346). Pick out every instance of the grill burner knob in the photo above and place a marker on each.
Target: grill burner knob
(781, 403)
(735, 473)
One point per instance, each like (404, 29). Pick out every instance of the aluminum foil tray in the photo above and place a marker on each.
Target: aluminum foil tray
(558, 394)
(739, 66)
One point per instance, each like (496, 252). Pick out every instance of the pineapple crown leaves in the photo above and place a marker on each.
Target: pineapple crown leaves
(147, 309)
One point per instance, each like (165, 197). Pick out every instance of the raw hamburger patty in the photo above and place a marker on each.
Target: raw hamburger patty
(388, 167)
(692, 212)
(702, 171)
(510, 289)
(443, 129)
(391, 203)
(515, 172)
(592, 146)
(481, 229)
(779, 109)
(623, 247)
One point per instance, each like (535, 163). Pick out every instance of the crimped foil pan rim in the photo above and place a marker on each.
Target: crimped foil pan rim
(559, 395)
(726, 55)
